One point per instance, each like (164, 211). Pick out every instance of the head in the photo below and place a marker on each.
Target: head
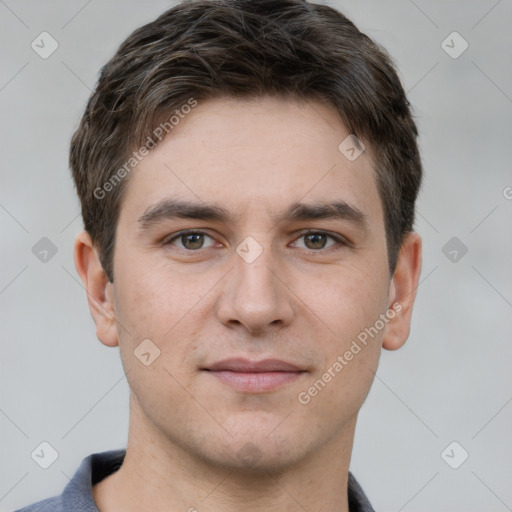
(275, 119)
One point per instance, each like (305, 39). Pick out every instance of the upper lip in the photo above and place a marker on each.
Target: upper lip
(246, 366)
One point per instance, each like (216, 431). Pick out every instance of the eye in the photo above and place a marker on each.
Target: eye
(189, 240)
(316, 240)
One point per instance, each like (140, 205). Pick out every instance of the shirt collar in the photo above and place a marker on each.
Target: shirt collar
(77, 494)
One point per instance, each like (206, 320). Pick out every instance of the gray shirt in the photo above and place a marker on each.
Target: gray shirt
(77, 495)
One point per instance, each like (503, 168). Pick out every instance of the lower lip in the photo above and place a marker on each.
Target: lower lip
(263, 382)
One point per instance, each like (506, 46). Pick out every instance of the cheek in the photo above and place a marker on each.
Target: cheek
(345, 306)
(163, 306)
(344, 301)
(154, 299)
(155, 307)
(336, 391)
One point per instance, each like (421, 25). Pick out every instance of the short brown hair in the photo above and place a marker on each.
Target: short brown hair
(243, 48)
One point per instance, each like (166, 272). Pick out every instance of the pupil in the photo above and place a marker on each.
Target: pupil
(316, 238)
(196, 241)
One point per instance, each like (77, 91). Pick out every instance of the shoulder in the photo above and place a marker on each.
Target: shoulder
(77, 496)
(357, 499)
(48, 505)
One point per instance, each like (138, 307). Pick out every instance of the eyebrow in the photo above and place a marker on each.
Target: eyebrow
(169, 209)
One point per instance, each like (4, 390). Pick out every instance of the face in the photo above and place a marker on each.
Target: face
(248, 291)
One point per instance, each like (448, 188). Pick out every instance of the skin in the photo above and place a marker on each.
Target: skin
(298, 302)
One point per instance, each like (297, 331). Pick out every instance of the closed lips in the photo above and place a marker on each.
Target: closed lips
(246, 366)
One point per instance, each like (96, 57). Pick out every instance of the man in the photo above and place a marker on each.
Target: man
(247, 173)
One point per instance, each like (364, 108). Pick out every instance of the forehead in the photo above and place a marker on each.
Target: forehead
(255, 156)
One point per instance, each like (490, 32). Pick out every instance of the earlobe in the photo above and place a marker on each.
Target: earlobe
(403, 291)
(98, 289)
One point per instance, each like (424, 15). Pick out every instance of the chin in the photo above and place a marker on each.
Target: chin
(255, 454)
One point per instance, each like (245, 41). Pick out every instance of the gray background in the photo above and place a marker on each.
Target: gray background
(450, 382)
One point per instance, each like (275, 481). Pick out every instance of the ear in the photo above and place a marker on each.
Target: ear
(99, 289)
(403, 291)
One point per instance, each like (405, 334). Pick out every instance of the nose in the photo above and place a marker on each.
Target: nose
(256, 296)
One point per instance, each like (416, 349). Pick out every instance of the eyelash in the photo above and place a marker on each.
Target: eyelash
(340, 241)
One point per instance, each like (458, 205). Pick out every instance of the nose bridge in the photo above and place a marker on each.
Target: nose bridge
(255, 295)
(257, 280)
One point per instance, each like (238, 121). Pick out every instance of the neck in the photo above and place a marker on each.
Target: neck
(158, 472)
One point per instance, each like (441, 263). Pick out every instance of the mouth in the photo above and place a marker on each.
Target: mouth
(255, 376)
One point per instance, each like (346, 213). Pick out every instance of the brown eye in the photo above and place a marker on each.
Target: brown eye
(190, 241)
(194, 241)
(317, 240)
